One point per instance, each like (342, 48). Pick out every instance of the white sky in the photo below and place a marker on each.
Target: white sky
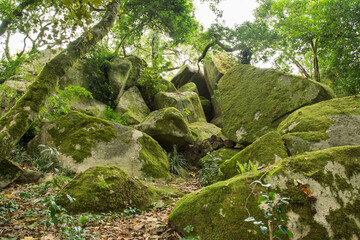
(234, 12)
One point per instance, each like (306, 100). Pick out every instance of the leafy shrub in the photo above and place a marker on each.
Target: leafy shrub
(59, 104)
(98, 62)
(210, 172)
(110, 115)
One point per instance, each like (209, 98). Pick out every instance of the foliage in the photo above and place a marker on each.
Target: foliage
(178, 163)
(110, 115)
(189, 229)
(131, 212)
(46, 160)
(7, 206)
(210, 171)
(273, 213)
(8, 68)
(246, 168)
(151, 77)
(59, 104)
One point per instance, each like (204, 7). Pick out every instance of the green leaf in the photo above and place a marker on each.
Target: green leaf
(262, 199)
(283, 229)
(263, 229)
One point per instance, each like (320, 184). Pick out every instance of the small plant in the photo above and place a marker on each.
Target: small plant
(246, 168)
(189, 229)
(102, 183)
(178, 163)
(273, 213)
(187, 112)
(110, 115)
(7, 207)
(59, 104)
(131, 212)
(46, 160)
(210, 171)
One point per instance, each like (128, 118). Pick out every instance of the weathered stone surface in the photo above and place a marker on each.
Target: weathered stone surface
(189, 74)
(207, 107)
(189, 87)
(188, 103)
(84, 141)
(118, 75)
(9, 172)
(203, 130)
(138, 67)
(323, 125)
(108, 188)
(323, 188)
(29, 176)
(266, 150)
(214, 70)
(254, 101)
(133, 105)
(91, 107)
(167, 126)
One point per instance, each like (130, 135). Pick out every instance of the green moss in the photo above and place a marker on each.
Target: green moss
(75, 134)
(266, 150)
(189, 87)
(314, 119)
(104, 189)
(203, 130)
(8, 172)
(245, 106)
(155, 162)
(126, 140)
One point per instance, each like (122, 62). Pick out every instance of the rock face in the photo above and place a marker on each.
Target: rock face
(107, 188)
(323, 188)
(84, 141)
(133, 105)
(9, 172)
(190, 74)
(203, 130)
(266, 150)
(254, 101)
(167, 126)
(214, 70)
(189, 87)
(188, 103)
(118, 75)
(323, 125)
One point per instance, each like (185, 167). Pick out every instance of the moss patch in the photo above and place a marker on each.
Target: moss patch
(249, 113)
(202, 130)
(75, 134)
(264, 151)
(104, 189)
(155, 162)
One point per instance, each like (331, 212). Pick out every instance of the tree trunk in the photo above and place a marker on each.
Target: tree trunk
(313, 44)
(300, 67)
(16, 122)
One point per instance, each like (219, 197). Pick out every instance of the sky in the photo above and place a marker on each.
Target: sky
(234, 12)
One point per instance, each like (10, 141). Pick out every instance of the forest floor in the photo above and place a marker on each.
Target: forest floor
(25, 214)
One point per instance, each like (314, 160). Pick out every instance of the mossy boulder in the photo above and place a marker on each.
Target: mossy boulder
(85, 141)
(213, 71)
(188, 103)
(91, 107)
(264, 151)
(323, 188)
(132, 106)
(189, 74)
(203, 130)
(167, 126)
(118, 75)
(189, 87)
(138, 66)
(9, 172)
(254, 101)
(323, 125)
(108, 188)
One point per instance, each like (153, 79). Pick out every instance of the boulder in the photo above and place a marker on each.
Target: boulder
(9, 172)
(133, 105)
(203, 130)
(84, 141)
(214, 70)
(189, 74)
(108, 188)
(136, 71)
(91, 107)
(188, 103)
(323, 188)
(189, 87)
(118, 75)
(167, 126)
(323, 125)
(265, 151)
(207, 107)
(254, 101)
